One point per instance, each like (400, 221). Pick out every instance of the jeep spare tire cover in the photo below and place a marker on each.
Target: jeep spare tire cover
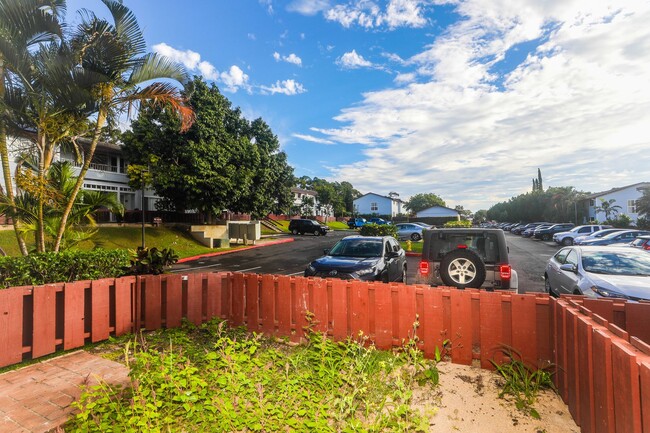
(462, 268)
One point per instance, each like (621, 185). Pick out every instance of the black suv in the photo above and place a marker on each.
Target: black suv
(365, 258)
(472, 257)
(546, 233)
(307, 226)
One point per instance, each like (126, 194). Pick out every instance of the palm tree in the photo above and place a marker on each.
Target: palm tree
(643, 203)
(608, 208)
(53, 196)
(23, 24)
(115, 53)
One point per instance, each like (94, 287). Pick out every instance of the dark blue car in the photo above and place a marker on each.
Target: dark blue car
(366, 258)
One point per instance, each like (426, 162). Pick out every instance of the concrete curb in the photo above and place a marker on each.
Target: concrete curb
(220, 253)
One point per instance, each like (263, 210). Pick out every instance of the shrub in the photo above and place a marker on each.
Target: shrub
(62, 267)
(643, 223)
(459, 224)
(151, 260)
(622, 221)
(378, 230)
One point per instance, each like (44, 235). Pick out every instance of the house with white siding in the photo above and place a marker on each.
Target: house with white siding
(626, 197)
(376, 204)
(439, 212)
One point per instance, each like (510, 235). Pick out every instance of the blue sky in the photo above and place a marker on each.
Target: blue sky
(465, 99)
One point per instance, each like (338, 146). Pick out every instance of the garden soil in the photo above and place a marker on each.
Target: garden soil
(467, 401)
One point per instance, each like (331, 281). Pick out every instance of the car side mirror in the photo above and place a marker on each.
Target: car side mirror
(569, 267)
(392, 254)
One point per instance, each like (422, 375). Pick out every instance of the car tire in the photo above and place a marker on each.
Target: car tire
(546, 237)
(567, 241)
(462, 268)
(294, 231)
(404, 275)
(316, 232)
(415, 237)
(549, 289)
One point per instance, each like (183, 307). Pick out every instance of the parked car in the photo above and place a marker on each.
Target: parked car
(425, 225)
(546, 233)
(378, 221)
(529, 232)
(367, 258)
(578, 240)
(354, 223)
(641, 242)
(620, 237)
(599, 271)
(409, 231)
(302, 226)
(566, 238)
(467, 257)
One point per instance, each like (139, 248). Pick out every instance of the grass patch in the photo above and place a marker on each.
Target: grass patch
(212, 378)
(416, 247)
(128, 237)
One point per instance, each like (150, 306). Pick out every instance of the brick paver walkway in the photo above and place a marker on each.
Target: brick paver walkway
(36, 399)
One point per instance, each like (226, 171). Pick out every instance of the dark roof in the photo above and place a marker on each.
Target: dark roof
(613, 190)
(303, 191)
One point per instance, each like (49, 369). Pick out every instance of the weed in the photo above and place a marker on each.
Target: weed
(522, 382)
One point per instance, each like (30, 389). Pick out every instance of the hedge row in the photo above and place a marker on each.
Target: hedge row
(67, 266)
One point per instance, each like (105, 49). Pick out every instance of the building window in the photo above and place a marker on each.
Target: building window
(631, 206)
(592, 202)
(374, 206)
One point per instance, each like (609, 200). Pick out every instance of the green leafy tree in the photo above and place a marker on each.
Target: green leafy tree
(221, 162)
(423, 201)
(480, 216)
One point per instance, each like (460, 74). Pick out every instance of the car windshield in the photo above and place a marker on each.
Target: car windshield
(486, 245)
(616, 263)
(357, 248)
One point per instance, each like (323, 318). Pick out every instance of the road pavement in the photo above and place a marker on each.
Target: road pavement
(528, 257)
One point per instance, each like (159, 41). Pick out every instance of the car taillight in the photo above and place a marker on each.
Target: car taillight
(647, 246)
(505, 271)
(424, 268)
(461, 247)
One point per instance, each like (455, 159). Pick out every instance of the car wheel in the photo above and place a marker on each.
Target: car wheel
(567, 241)
(316, 232)
(546, 237)
(415, 237)
(548, 288)
(294, 231)
(462, 268)
(404, 275)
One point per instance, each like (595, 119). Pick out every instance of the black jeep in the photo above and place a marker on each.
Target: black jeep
(303, 226)
(471, 257)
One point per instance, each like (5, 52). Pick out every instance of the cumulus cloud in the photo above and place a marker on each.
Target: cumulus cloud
(291, 58)
(285, 87)
(398, 13)
(577, 105)
(352, 60)
(233, 79)
(308, 7)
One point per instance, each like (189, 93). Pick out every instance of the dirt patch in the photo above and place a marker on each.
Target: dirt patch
(467, 401)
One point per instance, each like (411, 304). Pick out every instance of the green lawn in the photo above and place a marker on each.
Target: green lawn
(128, 237)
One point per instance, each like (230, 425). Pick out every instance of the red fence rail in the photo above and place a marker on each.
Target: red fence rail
(588, 341)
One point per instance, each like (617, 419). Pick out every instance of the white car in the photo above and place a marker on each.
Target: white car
(567, 238)
(578, 240)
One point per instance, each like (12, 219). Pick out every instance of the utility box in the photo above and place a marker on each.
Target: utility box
(246, 231)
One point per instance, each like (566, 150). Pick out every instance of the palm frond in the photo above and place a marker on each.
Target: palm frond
(126, 26)
(154, 66)
(163, 94)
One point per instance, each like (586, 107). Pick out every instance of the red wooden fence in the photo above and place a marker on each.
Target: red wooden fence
(603, 374)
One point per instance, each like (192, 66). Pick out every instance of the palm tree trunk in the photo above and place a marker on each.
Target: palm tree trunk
(40, 228)
(6, 169)
(101, 120)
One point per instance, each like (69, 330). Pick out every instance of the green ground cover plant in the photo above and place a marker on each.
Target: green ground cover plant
(522, 382)
(216, 379)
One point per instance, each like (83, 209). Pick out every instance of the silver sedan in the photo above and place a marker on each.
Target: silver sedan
(599, 271)
(409, 231)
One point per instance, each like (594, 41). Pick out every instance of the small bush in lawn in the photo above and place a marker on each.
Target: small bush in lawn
(151, 260)
(378, 230)
(62, 267)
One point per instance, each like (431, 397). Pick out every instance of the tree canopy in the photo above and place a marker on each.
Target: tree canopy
(423, 201)
(221, 162)
(337, 197)
(555, 204)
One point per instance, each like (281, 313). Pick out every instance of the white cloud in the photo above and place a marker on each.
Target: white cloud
(233, 79)
(405, 78)
(285, 87)
(251, 36)
(313, 139)
(291, 58)
(308, 7)
(476, 127)
(268, 4)
(352, 60)
(398, 13)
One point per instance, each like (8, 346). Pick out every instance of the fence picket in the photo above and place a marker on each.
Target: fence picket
(461, 327)
(11, 325)
(100, 295)
(123, 305)
(43, 335)
(74, 311)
